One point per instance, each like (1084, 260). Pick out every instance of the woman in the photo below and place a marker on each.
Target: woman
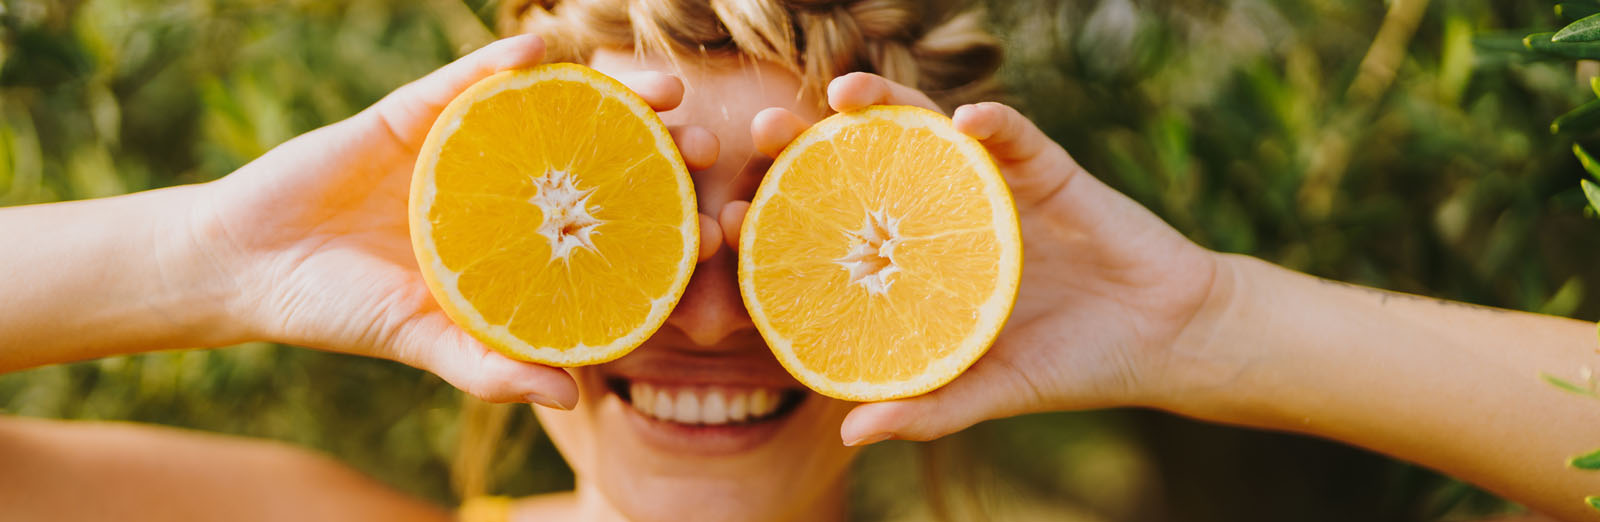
(641, 423)
(307, 245)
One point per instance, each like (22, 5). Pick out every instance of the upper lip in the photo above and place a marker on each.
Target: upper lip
(670, 366)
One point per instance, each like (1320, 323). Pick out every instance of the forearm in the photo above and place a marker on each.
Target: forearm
(1451, 386)
(62, 470)
(109, 276)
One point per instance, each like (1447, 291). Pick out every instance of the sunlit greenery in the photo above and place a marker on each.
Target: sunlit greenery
(1404, 144)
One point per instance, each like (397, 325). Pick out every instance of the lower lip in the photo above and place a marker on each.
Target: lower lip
(702, 441)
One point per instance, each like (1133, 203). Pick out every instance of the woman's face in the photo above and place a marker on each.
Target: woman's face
(701, 423)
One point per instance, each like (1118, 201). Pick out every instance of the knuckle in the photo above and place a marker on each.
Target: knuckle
(493, 382)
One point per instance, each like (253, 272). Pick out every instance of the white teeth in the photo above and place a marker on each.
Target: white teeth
(688, 408)
(714, 410)
(643, 397)
(738, 407)
(663, 407)
(714, 406)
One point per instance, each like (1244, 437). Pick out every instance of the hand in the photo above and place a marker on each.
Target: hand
(315, 234)
(1107, 287)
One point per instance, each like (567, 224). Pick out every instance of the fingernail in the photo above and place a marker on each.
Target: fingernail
(869, 439)
(547, 402)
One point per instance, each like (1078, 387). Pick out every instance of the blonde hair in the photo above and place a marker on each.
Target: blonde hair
(953, 61)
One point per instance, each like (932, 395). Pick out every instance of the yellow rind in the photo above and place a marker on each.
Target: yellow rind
(997, 308)
(421, 240)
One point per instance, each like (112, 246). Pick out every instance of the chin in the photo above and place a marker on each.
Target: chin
(665, 436)
(678, 498)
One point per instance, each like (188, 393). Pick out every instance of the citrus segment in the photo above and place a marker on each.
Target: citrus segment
(552, 216)
(881, 254)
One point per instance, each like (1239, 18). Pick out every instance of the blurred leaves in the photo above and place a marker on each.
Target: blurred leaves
(1565, 300)
(1577, 10)
(1235, 120)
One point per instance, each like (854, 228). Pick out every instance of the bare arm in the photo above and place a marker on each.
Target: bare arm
(68, 471)
(112, 276)
(1452, 386)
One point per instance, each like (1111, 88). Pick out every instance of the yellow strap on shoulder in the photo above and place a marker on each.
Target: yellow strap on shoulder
(485, 509)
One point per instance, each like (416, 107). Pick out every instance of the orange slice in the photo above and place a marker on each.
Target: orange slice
(881, 254)
(552, 216)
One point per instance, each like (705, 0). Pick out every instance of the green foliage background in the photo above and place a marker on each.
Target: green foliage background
(1251, 125)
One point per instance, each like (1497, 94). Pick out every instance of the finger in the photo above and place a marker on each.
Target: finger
(501, 379)
(967, 400)
(1006, 133)
(698, 146)
(661, 90)
(773, 128)
(858, 89)
(1037, 167)
(710, 238)
(433, 343)
(410, 110)
(731, 218)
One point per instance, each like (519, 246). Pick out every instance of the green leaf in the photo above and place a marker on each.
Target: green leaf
(1504, 43)
(1566, 299)
(1541, 43)
(1584, 30)
(1576, 10)
(1591, 192)
(1593, 502)
(1564, 385)
(1584, 118)
(1588, 162)
(1589, 461)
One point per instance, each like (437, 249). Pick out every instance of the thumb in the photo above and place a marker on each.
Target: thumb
(433, 343)
(983, 392)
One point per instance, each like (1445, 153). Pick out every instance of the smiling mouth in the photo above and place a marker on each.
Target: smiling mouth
(712, 406)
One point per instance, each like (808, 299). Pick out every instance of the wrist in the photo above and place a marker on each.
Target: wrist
(196, 270)
(1272, 345)
(1206, 357)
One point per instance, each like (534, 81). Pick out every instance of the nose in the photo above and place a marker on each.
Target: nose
(711, 309)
